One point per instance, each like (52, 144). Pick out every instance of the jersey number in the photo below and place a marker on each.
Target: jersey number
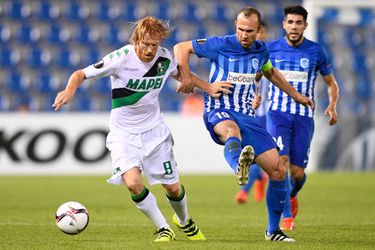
(168, 167)
(222, 115)
(279, 142)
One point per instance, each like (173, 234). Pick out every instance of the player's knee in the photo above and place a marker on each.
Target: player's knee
(297, 173)
(279, 171)
(172, 190)
(135, 187)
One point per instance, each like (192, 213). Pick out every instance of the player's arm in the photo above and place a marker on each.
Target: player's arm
(182, 53)
(333, 95)
(65, 96)
(215, 89)
(275, 76)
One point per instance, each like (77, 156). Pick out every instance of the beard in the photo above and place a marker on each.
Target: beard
(295, 40)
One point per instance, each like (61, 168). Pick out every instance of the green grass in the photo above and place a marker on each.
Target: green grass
(337, 211)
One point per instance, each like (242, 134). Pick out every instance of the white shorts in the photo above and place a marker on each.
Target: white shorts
(150, 151)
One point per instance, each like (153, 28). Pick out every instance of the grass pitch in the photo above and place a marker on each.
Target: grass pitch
(337, 211)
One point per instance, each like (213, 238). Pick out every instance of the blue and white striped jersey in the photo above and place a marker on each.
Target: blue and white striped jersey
(231, 62)
(300, 66)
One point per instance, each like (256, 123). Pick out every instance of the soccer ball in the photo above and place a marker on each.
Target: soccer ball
(72, 217)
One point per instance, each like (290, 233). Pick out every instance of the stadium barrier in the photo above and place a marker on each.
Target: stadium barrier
(74, 143)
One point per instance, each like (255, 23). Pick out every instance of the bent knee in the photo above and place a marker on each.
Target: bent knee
(278, 172)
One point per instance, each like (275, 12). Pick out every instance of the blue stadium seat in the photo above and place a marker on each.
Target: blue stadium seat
(101, 86)
(58, 34)
(17, 82)
(38, 58)
(45, 83)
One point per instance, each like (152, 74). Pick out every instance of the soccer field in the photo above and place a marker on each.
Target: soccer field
(337, 211)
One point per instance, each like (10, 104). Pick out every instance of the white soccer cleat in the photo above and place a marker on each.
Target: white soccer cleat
(244, 162)
(278, 236)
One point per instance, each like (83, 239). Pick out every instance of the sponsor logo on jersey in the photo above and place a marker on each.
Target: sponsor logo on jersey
(241, 78)
(294, 76)
(145, 84)
(99, 64)
(304, 62)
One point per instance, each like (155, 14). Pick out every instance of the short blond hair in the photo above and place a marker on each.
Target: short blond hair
(150, 25)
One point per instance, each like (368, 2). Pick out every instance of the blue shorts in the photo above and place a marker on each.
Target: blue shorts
(293, 135)
(252, 132)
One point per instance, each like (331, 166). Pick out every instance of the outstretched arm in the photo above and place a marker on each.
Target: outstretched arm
(65, 96)
(333, 95)
(279, 81)
(182, 53)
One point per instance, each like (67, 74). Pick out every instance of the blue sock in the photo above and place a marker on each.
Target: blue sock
(287, 212)
(276, 194)
(254, 174)
(232, 151)
(297, 186)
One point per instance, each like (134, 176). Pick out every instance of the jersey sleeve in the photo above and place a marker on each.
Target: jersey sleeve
(325, 66)
(105, 67)
(172, 70)
(208, 47)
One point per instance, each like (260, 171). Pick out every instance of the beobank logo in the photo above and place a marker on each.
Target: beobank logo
(240, 78)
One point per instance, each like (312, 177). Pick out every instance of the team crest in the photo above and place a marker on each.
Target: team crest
(304, 63)
(255, 63)
(162, 68)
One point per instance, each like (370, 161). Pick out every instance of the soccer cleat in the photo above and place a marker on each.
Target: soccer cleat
(244, 162)
(260, 188)
(294, 206)
(164, 234)
(287, 224)
(190, 229)
(241, 197)
(278, 236)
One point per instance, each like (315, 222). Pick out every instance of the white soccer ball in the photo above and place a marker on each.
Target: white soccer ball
(72, 217)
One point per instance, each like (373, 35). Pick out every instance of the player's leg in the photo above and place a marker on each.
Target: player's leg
(176, 196)
(276, 192)
(146, 202)
(299, 156)
(224, 130)
(287, 223)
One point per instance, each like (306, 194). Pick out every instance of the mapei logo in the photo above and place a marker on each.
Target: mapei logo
(304, 62)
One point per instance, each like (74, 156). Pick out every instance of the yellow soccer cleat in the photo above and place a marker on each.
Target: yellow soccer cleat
(164, 234)
(190, 229)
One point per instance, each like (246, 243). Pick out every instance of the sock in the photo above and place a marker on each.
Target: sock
(296, 186)
(276, 194)
(287, 212)
(232, 151)
(146, 203)
(254, 174)
(179, 205)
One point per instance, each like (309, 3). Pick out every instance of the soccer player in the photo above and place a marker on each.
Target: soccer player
(230, 117)
(139, 140)
(291, 124)
(257, 176)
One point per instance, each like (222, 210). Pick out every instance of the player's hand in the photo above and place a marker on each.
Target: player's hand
(216, 89)
(304, 100)
(186, 85)
(332, 114)
(63, 98)
(256, 101)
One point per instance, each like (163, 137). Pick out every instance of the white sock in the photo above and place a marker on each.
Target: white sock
(180, 208)
(150, 208)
